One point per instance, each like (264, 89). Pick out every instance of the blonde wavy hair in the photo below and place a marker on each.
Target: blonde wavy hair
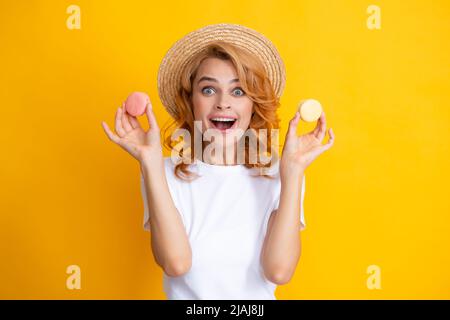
(256, 85)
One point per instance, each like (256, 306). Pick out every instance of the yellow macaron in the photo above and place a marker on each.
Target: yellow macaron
(310, 110)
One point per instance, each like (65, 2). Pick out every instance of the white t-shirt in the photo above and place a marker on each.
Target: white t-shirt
(225, 213)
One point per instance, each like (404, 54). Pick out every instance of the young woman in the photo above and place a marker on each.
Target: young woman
(222, 229)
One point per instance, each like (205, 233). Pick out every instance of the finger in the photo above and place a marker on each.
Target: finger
(330, 142)
(132, 119)
(134, 122)
(317, 128)
(322, 127)
(292, 131)
(151, 117)
(119, 129)
(125, 122)
(109, 133)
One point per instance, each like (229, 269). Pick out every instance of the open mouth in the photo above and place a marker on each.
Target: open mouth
(223, 124)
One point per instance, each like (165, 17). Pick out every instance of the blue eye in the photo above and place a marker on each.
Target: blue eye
(239, 89)
(236, 89)
(203, 90)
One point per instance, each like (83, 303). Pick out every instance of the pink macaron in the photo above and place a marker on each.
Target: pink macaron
(136, 103)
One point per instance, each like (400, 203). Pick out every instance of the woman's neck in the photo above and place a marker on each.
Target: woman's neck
(225, 158)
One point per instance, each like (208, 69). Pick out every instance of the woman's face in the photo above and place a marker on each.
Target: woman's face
(218, 100)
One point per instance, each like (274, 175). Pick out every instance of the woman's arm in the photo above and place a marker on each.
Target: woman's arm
(282, 244)
(170, 244)
(169, 241)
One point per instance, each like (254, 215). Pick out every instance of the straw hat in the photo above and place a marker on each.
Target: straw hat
(194, 42)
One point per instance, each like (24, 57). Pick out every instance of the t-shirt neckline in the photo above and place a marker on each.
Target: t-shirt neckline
(221, 168)
(225, 169)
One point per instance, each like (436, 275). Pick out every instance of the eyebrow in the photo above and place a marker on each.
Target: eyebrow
(206, 78)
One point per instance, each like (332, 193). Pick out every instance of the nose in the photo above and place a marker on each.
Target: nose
(223, 102)
(223, 107)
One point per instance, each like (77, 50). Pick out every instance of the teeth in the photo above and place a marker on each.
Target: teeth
(222, 119)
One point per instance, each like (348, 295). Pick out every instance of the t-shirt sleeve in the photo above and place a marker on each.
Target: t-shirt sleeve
(173, 194)
(302, 213)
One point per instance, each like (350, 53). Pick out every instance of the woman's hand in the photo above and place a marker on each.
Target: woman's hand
(300, 151)
(143, 146)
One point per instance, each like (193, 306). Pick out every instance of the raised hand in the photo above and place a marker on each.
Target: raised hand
(300, 151)
(143, 146)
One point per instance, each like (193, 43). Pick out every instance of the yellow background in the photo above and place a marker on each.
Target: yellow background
(380, 196)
